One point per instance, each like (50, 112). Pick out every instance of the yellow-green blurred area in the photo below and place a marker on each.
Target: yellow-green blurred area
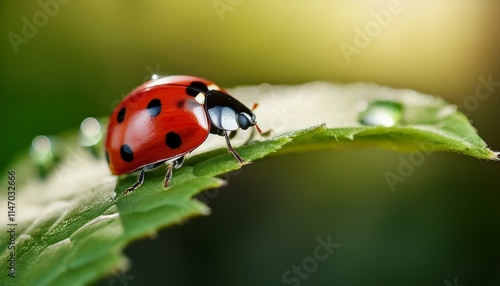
(63, 62)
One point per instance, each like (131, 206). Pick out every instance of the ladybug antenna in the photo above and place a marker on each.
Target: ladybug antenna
(258, 128)
(255, 105)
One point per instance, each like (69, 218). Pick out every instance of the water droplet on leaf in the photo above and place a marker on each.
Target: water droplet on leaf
(44, 153)
(381, 113)
(91, 135)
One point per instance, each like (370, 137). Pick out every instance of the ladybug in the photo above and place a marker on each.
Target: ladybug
(165, 119)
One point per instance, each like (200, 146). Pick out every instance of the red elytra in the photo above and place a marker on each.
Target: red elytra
(165, 119)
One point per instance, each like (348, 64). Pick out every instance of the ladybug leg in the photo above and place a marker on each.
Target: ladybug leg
(140, 180)
(231, 149)
(177, 163)
(168, 175)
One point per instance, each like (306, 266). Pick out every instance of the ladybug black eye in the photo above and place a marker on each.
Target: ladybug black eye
(243, 121)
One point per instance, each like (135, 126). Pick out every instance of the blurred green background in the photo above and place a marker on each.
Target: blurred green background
(62, 62)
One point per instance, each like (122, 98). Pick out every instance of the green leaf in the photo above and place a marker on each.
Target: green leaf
(73, 225)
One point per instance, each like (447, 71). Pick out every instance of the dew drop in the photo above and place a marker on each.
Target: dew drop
(41, 149)
(45, 153)
(91, 136)
(381, 113)
(90, 132)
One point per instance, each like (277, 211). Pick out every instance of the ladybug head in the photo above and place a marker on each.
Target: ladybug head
(246, 120)
(228, 114)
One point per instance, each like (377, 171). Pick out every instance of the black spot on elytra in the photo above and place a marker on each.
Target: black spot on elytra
(173, 140)
(154, 107)
(126, 153)
(180, 103)
(195, 87)
(121, 115)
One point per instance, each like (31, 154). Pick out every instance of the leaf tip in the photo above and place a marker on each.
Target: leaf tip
(496, 156)
(221, 182)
